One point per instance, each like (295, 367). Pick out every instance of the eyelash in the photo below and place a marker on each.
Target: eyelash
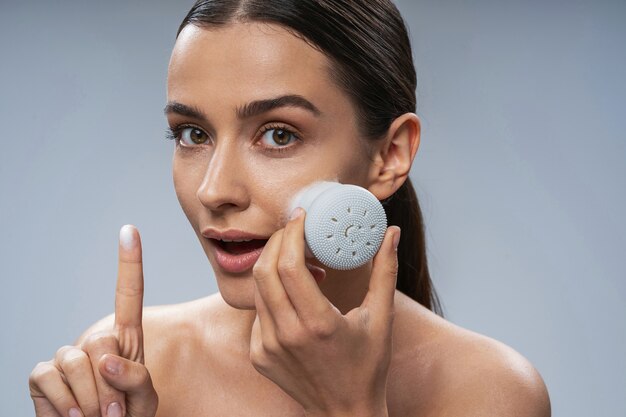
(174, 133)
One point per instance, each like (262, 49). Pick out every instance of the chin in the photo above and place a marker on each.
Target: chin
(237, 292)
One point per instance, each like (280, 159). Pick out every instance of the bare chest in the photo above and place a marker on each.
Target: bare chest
(212, 377)
(218, 388)
(235, 390)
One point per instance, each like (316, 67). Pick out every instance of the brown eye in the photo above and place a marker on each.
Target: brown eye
(280, 137)
(193, 135)
(277, 136)
(197, 135)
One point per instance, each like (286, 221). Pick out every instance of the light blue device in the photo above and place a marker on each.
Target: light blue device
(345, 224)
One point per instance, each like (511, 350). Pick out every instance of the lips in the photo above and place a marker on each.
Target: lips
(237, 257)
(237, 248)
(231, 256)
(231, 234)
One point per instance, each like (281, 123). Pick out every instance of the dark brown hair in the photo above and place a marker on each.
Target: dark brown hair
(369, 48)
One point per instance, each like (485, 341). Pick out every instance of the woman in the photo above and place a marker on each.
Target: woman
(265, 98)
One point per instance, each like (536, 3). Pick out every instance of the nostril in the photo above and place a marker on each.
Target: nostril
(220, 192)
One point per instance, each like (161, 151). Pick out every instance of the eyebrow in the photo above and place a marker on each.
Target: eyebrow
(248, 110)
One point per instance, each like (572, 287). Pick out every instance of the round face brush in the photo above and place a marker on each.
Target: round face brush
(344, 225)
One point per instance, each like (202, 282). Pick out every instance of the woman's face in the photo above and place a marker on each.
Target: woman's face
(242, 157)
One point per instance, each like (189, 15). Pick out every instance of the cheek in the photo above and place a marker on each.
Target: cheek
(185, 185)
(354, 161)
(275, 185)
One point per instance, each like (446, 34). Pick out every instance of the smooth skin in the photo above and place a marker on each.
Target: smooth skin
(306, 345)
(281, 339)
(104, 374)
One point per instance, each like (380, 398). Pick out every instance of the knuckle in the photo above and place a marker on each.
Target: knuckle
(321, 329)
(288, 267)
(393, 272)
(130, 339)
(259, 357)
(129, 290)
(61, 351)
(143, 378)
(73, 359)
(273, 346)
(95, 340)
(40, 372)
(289, 338)
(260, 270)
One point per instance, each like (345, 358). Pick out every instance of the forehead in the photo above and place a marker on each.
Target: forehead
(246, 60)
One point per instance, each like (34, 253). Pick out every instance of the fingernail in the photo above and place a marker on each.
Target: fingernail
(114, 410)
(75, 412)
(396, 239)
(112, 365)
(295, 213)
(127, 237)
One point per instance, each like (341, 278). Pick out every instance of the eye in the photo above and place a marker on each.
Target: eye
(189, 135)
(278, 135)
(195, 135)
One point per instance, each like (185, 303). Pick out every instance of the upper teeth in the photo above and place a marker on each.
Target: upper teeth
(237, 240)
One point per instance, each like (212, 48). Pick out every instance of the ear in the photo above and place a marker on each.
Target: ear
(392, 159)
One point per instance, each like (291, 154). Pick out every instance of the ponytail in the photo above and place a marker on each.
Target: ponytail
(402, 209)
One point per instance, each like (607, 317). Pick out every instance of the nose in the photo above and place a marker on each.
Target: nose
(224, 184)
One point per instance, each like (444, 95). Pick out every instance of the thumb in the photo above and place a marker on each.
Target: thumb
(384, 274)
(134, 379)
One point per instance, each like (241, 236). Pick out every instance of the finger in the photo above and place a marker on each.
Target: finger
(268, 282)
(299, 283)
(129, 294)
(96, 345)
(51, 396)
(382, 286)
(266, 321)
(263, 338)
(75, 365)
(134, 379)
(318, 273)
(44, 408)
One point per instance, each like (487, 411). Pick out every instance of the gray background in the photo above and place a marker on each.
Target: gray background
(521, 175)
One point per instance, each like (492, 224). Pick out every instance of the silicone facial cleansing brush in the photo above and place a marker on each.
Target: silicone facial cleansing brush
(344, 225)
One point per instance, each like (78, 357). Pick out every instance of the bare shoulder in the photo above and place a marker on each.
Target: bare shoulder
(467, 373)
(164, 327)
(156, 319)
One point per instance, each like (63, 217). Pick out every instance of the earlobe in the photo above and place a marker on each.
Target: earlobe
(394, 156)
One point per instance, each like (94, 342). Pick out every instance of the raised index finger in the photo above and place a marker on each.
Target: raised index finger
(129, 290)
(307, 298)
